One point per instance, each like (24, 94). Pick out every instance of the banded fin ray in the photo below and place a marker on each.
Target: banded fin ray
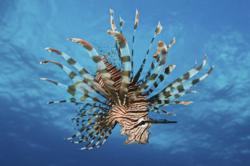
(155, 70)
(160, 57)
(71, 74)
(125, 59)
(93, 133)
(82, 95)
(186, 76)
(69, 100)
(181, 89)
(101, 67)
(121, 23)
(87, 78)
(161, 77)
(158, 30)
(136, 23)
(72, 62)
(160, 103)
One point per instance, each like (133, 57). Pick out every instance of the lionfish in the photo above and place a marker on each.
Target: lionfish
(116, 95)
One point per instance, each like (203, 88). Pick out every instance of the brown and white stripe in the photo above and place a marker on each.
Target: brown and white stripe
(115, 96)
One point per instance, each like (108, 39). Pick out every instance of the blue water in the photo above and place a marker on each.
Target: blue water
(212, 131)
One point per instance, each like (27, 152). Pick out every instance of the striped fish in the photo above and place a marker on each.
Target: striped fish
(115, 95)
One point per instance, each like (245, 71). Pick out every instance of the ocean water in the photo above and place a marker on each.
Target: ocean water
(214, 130)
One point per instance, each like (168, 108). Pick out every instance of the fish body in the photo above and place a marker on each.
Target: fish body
(120, 96)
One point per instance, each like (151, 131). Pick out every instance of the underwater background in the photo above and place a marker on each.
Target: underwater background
(214, 130)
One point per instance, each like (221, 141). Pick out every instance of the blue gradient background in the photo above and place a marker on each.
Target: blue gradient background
(212, 131)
